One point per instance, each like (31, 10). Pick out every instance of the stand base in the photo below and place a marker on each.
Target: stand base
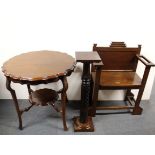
(83, 127)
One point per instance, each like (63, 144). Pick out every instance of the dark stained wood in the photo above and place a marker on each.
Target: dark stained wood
(119, 72)
(95, 89)
(43, 97)
(83, 127)
(87, 57)
(131, 100)
(37, 82)
(14, 97)
(114, 107)
(29, 89)
(118, 44)
(85, 123)
(39, 67)
(64, 100)
(85, 89)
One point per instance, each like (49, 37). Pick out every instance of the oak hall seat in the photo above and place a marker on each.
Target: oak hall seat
(118, 71)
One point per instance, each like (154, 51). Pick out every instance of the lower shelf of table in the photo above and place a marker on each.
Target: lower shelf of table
(43, 97)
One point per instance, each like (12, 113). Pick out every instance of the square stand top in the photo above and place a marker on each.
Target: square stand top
(87, 56)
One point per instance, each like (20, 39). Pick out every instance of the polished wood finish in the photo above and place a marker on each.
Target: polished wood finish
(85, 123)
(118, 80)
(14, 97)
(119, 72)
(40, 67)
(83, 127)
(64, 100)
(117, 44)
(87, 57)
(43, 97)
(51, 65)
(121, 58)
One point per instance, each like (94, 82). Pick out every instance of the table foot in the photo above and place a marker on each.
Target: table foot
(83, 127)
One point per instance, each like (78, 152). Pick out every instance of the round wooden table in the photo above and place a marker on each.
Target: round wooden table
(39, 67)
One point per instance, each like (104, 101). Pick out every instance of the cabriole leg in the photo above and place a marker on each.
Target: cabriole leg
(13, 94)
(64, 101)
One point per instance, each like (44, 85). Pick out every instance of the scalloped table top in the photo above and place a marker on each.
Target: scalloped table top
(38, 65)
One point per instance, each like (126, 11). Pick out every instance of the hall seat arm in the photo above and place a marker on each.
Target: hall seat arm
(145, 61)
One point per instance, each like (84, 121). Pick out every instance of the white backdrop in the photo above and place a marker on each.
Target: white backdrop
(74, 25)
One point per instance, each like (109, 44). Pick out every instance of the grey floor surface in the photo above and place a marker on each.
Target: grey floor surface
(45, 121)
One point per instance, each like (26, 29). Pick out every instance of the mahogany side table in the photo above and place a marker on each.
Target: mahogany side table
(39, 67)
(84, 123)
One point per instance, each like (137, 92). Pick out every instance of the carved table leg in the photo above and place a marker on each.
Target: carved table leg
(84, 122)
(13, 94)
(29, 89)
(63, 101)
